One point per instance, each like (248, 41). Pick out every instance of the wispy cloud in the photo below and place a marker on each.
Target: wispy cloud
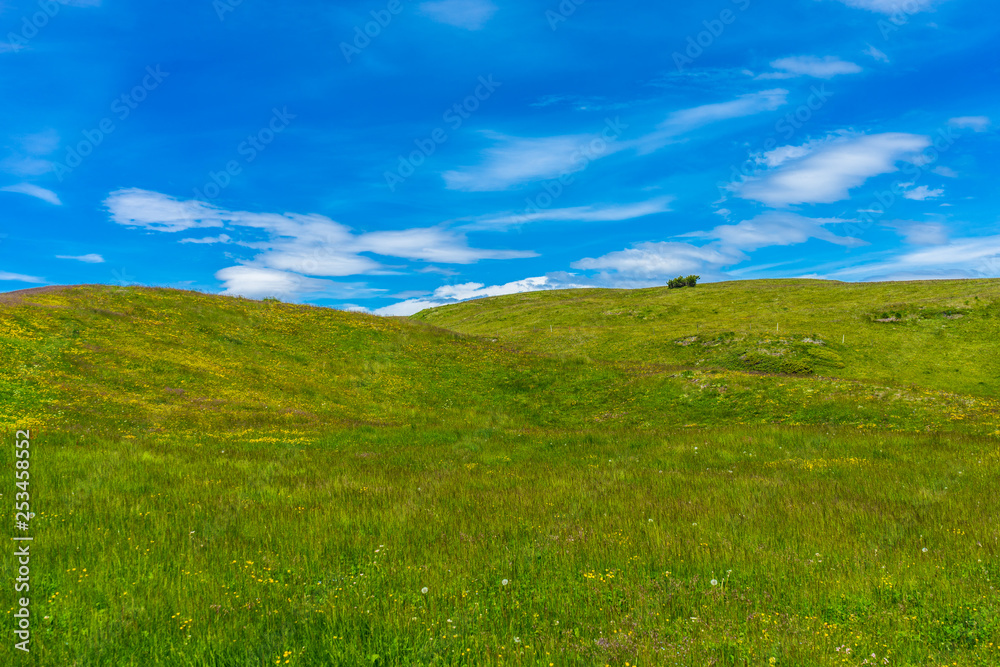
(593, 213)
(821, 68)
(256, 282)
(34, 191)
(221, 238)
(28, 158)
(877, 54)
(91, 258)
(658, 260)
(825, 171)
(517, 160)
(19, 277)
(919, 233)
(963, 257)
(775, 228)
(922, 192)
(468, 14)
(287, 245)
(455, 293)
(891, 6)
(728, 245)
(974, 123)
(686, 120)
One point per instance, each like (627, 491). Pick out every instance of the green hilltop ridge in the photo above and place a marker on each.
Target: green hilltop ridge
(576, 477)
(943, 335)
(644, 358)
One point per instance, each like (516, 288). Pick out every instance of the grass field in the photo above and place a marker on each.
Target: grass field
(650, 477)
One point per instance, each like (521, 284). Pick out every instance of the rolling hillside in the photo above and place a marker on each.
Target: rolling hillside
(220, 481)
(936, 334)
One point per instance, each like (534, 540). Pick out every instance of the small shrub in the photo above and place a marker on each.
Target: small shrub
(683, 281)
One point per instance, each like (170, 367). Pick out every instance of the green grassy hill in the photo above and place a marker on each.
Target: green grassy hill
(220, 481)
(936, 334)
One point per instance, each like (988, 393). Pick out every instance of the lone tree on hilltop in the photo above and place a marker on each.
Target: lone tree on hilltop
(681, 281)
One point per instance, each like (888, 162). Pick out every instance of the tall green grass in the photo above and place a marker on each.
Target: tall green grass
(227, 482)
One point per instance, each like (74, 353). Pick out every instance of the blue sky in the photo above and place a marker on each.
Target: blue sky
(390, 155)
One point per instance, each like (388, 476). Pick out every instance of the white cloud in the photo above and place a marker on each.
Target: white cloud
(922, 192)
(91, 258)
(256, 282)
(876, 54)
(455, 293)
(728, 246)
(820, 68)
(40, 143)
(133, 207)
(966, 258)
(468, 14)
(891, 6)
(291, 243)
(684, 120)
(21, 165)
(947, 172)
(975, 123)
(20, 277)
(656, 260)
(221, 238)
(774, 228)
(919, 233)
(518, 160)
(437, 269)
(27, 159)
(593, 213)
(825, 171)
(431, 244)
(34, 191)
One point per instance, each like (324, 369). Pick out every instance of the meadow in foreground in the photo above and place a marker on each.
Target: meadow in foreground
(225, 482)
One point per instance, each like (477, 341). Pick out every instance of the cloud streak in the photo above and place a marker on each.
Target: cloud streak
(825, 171)
(34, 191)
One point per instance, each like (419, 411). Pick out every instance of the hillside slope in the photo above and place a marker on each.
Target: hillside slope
(217, 481)
(142, 360)
(942, 335)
